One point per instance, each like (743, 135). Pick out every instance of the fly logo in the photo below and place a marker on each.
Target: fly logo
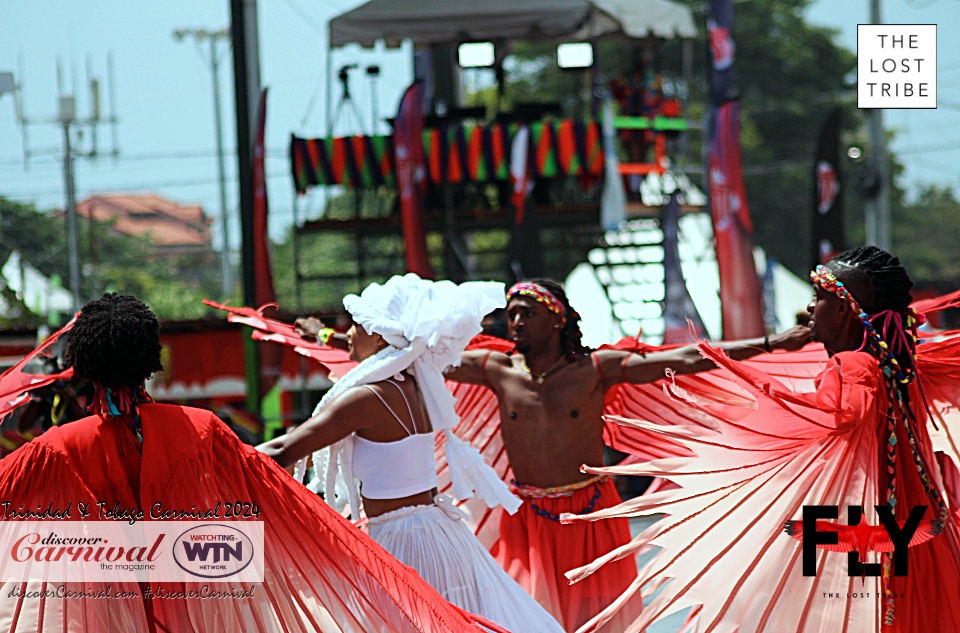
(213, 551)
(858, 538)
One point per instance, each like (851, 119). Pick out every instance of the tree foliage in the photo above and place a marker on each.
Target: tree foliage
(926, 233)
(111, 262)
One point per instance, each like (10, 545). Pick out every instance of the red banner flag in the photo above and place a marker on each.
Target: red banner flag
(741, 297)
(261, 239)
(411, 175)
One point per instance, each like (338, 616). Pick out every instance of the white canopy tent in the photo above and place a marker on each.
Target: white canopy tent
(453, 21)
(437, 22)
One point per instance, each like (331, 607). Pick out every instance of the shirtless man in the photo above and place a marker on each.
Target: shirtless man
(550, 396)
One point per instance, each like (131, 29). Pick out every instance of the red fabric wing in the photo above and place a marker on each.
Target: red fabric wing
(15, 384)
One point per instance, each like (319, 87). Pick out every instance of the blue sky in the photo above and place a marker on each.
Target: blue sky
(165, 103)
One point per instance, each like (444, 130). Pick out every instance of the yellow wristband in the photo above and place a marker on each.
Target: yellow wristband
(324, 335)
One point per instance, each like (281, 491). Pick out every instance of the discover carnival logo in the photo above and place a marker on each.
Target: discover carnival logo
(213, 551)
(120, 551)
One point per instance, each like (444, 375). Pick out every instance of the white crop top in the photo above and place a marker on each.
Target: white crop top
(393, 470)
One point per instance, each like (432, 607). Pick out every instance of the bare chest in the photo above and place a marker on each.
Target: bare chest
(573, 393)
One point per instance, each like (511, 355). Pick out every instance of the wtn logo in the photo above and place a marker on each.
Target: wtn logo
(221, 551)
(858, 538)
(213, 551)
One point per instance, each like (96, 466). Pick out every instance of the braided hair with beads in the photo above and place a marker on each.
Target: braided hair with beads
(115, 343)
(890, 335)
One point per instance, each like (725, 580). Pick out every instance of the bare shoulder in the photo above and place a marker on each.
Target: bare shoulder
(603, 355)
(477, 365)
(483, 356)
(611, 359)
(357, 402)
(498, 360)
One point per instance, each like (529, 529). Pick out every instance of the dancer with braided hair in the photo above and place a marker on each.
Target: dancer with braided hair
(320, 572)
(859, 439)
(550, 393)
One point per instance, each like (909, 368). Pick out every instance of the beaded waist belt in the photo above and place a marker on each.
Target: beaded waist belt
(533, 492)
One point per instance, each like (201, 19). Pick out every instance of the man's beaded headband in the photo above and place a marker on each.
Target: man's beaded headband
(539, 294)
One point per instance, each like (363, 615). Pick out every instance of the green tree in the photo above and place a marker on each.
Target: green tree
(926, 233)
(111, 262)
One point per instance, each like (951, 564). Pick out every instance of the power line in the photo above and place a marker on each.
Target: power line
(188, 154)
(152, 185)
(308, 20)
(954, 145)
(951, 170)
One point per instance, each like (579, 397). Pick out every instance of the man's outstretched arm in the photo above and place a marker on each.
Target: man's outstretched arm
(471, 370)
(620, 366)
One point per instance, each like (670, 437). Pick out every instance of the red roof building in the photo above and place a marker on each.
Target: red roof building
(173, 228)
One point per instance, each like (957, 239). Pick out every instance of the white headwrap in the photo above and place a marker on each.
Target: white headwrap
(427, 325)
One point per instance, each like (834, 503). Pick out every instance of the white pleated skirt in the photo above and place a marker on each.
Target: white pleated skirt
(439, 545)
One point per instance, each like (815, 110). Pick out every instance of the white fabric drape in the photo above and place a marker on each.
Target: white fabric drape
(427, 325)
(436, 541)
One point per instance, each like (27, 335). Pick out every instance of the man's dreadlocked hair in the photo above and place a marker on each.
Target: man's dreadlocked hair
(881, 280)
(115, 342)
(882, 271)
(570, 335)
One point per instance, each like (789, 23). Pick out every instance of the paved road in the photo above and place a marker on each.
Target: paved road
(672, 623)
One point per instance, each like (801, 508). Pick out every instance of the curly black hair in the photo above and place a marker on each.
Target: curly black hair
(570, 336)
(115, 342)
(875, 277)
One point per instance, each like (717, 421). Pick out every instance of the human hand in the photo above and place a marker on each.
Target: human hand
(790, 340)
(308, 328)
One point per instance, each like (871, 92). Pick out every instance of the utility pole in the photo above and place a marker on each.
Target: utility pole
(66, 116)
(68, 120)
(878, 208)
(246, 77)
(199, 36)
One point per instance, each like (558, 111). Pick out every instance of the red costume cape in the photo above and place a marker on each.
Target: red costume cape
(783, 449)
(668, 424)
(321, 573)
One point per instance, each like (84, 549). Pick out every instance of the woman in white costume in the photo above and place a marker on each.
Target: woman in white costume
(377, 426)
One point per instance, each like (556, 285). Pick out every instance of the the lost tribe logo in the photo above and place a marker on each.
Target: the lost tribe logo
(213, 551)
(858, 538)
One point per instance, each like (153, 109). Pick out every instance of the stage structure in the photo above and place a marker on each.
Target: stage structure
(480, 215)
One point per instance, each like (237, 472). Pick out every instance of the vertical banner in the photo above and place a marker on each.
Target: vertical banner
(678, 306)
(261, 237)
(411, 178)
(526, 254)
(827, 213)
(741, 297)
